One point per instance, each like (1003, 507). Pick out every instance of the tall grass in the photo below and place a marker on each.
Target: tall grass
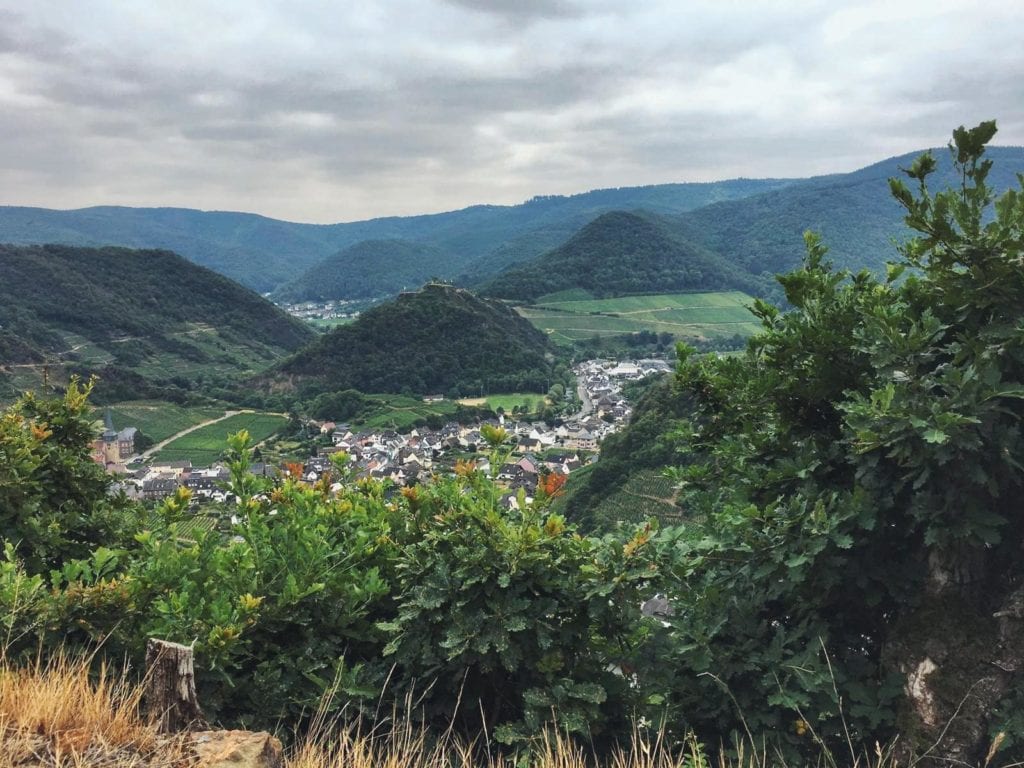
(54, 713)
(62, 713)
(57, 713)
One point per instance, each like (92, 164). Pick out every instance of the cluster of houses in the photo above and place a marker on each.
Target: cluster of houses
(163, 478)
(322, 310)
(405, 459)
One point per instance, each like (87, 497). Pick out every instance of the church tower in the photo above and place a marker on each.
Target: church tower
(111, 454)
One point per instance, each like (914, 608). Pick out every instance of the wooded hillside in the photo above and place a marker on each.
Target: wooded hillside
(435, 340)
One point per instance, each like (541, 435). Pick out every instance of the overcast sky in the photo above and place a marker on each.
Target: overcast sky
(326, 110)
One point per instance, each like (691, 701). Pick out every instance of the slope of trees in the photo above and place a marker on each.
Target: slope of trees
(437, 340)
(367, 270)
(107, 293)
(622, 253)
(852, 212)
(137, 308)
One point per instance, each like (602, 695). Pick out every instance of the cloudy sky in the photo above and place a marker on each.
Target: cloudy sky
(327, 110)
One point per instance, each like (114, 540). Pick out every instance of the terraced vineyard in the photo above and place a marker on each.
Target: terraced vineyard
(704, 316)
(646, 494)
(205, 446)
(157, 419)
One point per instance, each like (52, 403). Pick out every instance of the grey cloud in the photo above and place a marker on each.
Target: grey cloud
(396, 119)
(523, 10)
(17, 36)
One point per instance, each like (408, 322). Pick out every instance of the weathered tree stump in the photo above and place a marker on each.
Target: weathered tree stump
(171, 701)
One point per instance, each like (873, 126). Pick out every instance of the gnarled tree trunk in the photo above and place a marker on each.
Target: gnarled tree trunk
(170, 694)
(958, 654)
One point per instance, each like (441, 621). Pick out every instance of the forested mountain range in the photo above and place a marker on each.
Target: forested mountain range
(264, 253)
(138, 316)
(737, 244)
(754, 225)
(433, 340)
(854, 213)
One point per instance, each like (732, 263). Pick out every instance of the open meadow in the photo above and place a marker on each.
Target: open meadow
(704, 316)
(507, 402)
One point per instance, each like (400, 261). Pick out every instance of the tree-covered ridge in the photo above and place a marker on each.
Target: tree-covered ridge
(435, 340)
(265, 253)
(623, 253)
(140, 310)
(740, 243)
(852, 212)
(366, 270)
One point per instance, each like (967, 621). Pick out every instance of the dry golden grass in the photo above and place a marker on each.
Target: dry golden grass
(55, 714)
(406, 747)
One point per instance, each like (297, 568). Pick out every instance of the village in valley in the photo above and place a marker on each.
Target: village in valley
(537, 448)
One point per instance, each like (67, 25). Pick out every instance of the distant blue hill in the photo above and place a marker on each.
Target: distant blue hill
(264, 253)
(753, 226)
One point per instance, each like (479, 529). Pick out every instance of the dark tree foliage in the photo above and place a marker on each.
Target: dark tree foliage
(427, 342)
(625, 253)
(366, 270)
(342, 405)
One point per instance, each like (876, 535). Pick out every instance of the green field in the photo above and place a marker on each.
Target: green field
(533, 402)
(156, 419)
(205, 446)
(704, 316)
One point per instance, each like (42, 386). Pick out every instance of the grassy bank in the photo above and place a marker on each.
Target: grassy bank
(157, 419)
